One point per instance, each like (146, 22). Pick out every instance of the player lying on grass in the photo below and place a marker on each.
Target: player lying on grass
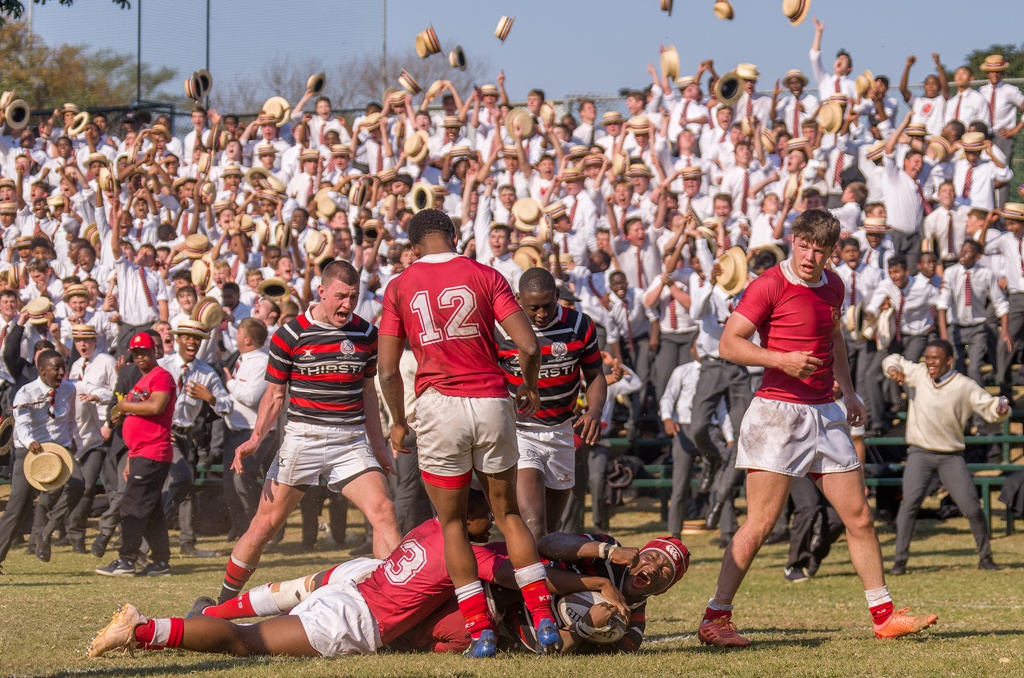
(356, 608)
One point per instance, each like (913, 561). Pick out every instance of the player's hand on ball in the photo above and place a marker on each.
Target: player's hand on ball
(799, 364)
(589, 428)
(527, 401)
(398, 433)
(246, 449)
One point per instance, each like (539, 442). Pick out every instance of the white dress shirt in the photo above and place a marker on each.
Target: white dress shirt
(967, 107)
(917, 300)
(96, 376)
(984, 289)
(246, 386)
(1008, 100)
(187, 408)
(861, 282)
(938, 224)
(674, 318)
(984, 175)
(32, 415)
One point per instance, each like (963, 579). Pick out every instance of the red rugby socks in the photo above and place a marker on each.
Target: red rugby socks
(880, 604)
(473, 605)
(236, 576)
(157, 634)
(717, 610)
(532, 581)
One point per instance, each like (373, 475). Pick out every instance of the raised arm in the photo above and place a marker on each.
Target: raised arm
(905, 78)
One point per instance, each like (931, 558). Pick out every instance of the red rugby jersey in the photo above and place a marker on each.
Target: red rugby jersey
(413, 582)
(447, 306)
(792, 317)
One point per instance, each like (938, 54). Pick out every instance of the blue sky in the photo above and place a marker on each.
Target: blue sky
(608, 48)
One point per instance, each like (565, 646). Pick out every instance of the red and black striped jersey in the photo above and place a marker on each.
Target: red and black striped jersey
(324, 367)
(565, 345)
(617, 574)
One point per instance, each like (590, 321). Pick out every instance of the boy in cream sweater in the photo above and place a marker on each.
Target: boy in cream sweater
(942, 401)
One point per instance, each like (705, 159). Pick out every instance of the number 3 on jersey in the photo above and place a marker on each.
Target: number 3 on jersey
(460, 298)
(413, 558)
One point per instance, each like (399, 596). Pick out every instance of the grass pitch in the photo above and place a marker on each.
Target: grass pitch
(48, 612)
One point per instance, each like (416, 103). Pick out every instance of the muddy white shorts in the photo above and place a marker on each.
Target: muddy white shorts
(795, 439)
(455, 435)
(550, 450)
(338, 622)
(309, 452)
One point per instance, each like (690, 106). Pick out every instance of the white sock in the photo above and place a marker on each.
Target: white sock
(878, 596)
(469, 590)
(161, 632)
(262, 601)
(529, 574)
(721, 607)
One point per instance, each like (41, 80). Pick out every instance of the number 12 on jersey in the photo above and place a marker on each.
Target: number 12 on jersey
(461, 299)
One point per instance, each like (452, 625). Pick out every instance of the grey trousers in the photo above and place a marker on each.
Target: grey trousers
(111, 518)
(241, 490)
(866, 369)
(412, 506)
(1006, 146)
(179, 494)
(970, 341)
(597, 462)
(19, 502)
(815, 525)
(718, 379)
(683, 454)
(673, 351)
(1004, 359)
(907, 245)
(951, 468)
(95, 466)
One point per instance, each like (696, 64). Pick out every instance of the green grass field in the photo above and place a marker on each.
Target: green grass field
(48, 612)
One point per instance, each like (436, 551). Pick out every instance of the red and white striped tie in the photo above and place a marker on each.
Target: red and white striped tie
(967, 182)
(950, 241)
(967, 292)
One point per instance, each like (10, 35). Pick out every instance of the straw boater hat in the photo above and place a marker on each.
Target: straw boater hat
(795, 73)
(883, 329)
(409, 83)
(37, 309)
(315, 84)
(791, 191)
(639, 169)
(1013, 211)
(50, 469)
(457, 58)
(691, 172)
(208, 312)
(79, 123)
(684, 81)
(521, 118)
(320, 245)
(747, 71)
(528, 256)
(973, 141)
(863, 83)
(611, 118)
(734, 271)
(427, 43)
(489, 90)
(796, 10)
(56, 200)
(527, 213)
(670, 62)
(768, 140)
(73, 291)
(92, 234)
(876, 225)
(192, 328)
(830, 117)
(773, 250)
(875, 150)
(325, 206)
(723, 10)
(504, 26)
(666, 6)
(83, 332)
(309, 155)
(995, 63)
(340, 151)
(639, 124)
(421, 197)
(194, 247)
(546, 114)
(202, 275)
(917, 129)
(593, 160)
(941, 147)
(853, 320)
(6, 435)
(205, 80)
(358, 194)
(273, 287)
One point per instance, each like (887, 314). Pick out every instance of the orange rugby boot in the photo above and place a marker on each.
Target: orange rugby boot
(901, 624)
(720, 632)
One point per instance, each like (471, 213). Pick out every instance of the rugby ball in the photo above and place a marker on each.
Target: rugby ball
(574, 607)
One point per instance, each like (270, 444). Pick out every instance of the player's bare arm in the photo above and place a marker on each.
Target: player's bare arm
(856, 413)
(737, 348)
(389, 354)
(517, 326)
(572, 547)
(588, 426)
(374, 432)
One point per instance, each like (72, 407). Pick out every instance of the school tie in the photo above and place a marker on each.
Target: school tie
(837, 84)
(967, 292)
(950, 242)
(853, 288)
(145, 287)
(682, 116)
(51, 399)
(967, 182)
(956, 112)
(746, 189)
(380, 158)
(796, 115)
(840, 161)
(182, 378)
(992, 110)
(899, 317)
(640, 269)
(925, 205)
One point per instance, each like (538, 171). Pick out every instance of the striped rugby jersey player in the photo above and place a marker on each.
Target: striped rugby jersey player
(324, 367)
(618, 575)
(566, 344)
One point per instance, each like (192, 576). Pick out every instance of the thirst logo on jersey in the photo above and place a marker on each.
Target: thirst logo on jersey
(347, 347)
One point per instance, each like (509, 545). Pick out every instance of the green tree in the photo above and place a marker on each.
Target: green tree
(47, 77)
(14, 9)
(1014, 54)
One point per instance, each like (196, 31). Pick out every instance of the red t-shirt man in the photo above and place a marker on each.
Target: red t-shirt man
(150, 436)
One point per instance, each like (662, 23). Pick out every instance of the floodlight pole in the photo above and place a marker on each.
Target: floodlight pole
(384, 42)
(138, 55)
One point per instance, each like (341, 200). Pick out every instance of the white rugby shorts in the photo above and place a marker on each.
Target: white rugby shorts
(551, 450)
(795, 439)
(455, 435)
(338, 622)
(309, 452)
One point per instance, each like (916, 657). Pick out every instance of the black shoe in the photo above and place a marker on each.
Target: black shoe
(155, 570)
(796, 575)
(777, 537)
(63, 541)
(30, 547)
(78, 546)
(118, 568)
(202, 602)
(707, 476)
(898, 568)
(191, 551)
(43, 551)
(99, 547)
(988, 564)
(714, 515)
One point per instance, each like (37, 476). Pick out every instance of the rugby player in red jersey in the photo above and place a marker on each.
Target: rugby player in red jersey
(547, 451)
(355, 608)
(446, 306)
(794, 428)
(325, 360)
